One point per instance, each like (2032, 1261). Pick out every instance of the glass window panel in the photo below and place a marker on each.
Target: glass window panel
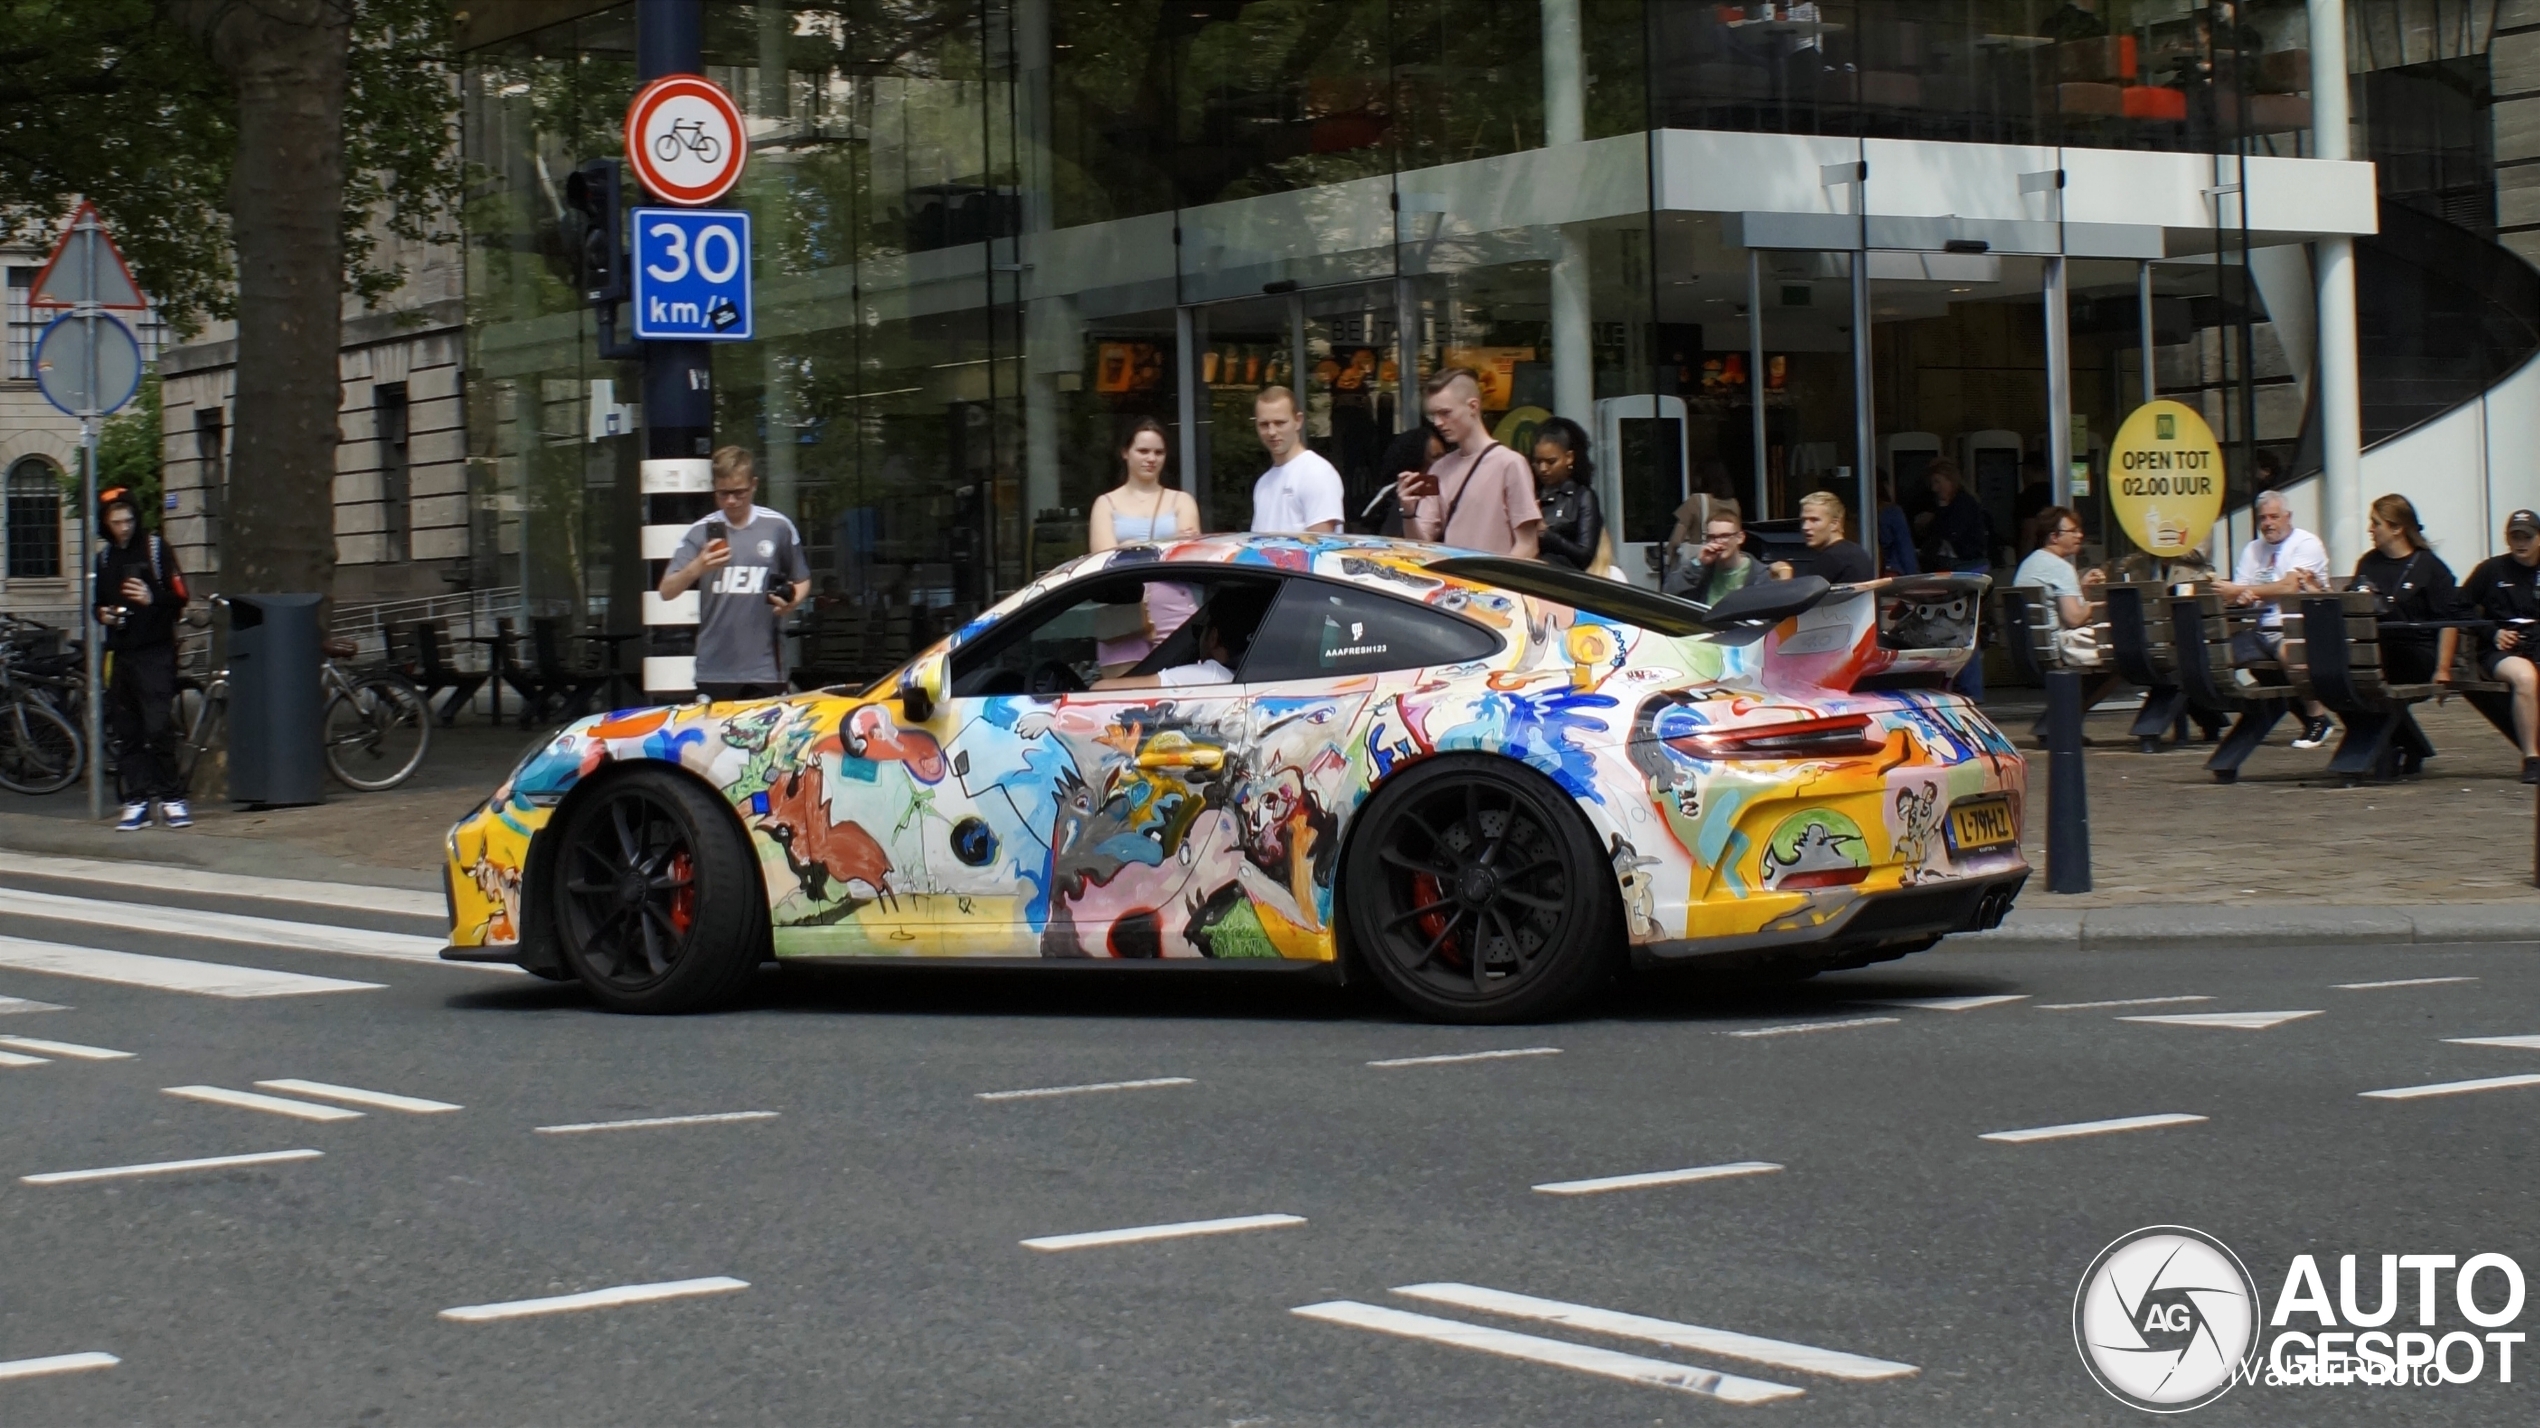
(1959, 357)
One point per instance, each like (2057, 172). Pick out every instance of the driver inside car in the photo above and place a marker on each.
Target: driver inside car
(1209, 667)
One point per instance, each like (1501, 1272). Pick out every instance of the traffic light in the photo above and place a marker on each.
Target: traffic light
(600, 259)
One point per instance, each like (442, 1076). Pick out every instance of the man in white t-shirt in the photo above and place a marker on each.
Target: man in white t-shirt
(2283, 560)
(1300, 493)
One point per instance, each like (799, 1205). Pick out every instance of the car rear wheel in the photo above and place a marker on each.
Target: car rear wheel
(1476, 893)
(657, 902)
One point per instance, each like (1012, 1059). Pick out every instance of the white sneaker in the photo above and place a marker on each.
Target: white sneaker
(136, 816)
(2315, 734)
(173, 812)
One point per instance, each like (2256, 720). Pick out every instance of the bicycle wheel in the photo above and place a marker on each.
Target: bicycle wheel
(193, 714)
(376, 733)
(39, 749)
(667, 147)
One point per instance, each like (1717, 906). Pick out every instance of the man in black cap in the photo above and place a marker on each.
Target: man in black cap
(140, 593)
(2506, 589)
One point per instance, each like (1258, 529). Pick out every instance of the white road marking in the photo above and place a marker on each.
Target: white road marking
(165, 974)
(11, 1058)
(1038, 1092)
(2451, 1088)
(235, 927)
(168, 1167)
(250, 1101)
(650, 1122)
(595, 1299)
(1469, 1056)
(58, 1363)
(1805, 1358)
(1139, 1234)
(199, 880)
(21, 1004)
(1950, 1004)
(2403, 982)
(70, 1049)
(2236, 1021)
(1658, 1177)
(356, 1096)
(1793, 1028)
(2510, 1043)
(2082, 1128)
(2127, 1002)
(1604, 1363)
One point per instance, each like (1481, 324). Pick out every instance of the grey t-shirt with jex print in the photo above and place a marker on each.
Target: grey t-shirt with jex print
(738, 638)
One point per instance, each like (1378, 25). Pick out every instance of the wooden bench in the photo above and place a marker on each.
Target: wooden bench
(2201, 630)
(2141, 647)
(568, 685)
(428, 664)
(2333, 653)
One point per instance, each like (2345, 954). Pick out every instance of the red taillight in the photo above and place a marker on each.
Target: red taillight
(1843, 736)
(1820, 878)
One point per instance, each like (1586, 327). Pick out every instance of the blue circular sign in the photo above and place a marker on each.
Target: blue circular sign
(75, 383)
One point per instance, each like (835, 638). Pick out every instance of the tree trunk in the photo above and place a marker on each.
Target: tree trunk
(287, 59)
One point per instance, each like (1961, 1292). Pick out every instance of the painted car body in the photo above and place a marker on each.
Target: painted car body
(1208, 821)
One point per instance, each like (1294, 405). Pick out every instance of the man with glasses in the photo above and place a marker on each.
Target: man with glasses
(2283, 560)
(2050, 568)
(1722, 564)
(2506, 589)
(754, 574)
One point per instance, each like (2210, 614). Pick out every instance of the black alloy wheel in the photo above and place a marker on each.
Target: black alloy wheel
(657, 902)
(1476, 893)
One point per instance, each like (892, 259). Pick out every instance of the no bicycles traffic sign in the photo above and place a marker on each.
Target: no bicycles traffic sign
(685, 140)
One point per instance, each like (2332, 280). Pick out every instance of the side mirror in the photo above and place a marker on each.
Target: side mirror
(1767, 602)
(922, 687)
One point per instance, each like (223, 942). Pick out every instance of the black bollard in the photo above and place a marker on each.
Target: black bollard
(2067, 792)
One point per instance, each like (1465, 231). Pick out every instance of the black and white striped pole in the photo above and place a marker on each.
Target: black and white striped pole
(676, 478)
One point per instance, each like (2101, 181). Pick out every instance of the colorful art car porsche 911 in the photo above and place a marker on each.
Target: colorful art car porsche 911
(1484, 781)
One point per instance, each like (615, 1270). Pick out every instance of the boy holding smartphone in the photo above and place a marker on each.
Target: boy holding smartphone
(753, 574)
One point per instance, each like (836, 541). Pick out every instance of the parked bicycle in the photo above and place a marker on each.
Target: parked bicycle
(41, 750)
(375, 728)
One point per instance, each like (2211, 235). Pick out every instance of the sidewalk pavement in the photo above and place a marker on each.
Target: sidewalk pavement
(2284, 855)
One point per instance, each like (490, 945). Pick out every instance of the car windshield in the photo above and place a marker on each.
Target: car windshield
(1606, 599)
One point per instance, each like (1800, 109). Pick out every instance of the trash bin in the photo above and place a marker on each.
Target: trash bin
(274, 746)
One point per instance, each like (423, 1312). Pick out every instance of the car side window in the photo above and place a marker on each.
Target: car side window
(1320, 630)
(1107, 626)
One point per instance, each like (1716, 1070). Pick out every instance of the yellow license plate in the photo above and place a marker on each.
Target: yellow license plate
(1981, 823)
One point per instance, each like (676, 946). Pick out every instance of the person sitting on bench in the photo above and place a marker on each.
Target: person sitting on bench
(2410, 583)
(2283, 560)
(2050, 568)
(2506, 589)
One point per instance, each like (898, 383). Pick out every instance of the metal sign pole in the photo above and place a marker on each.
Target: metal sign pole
(93, 634)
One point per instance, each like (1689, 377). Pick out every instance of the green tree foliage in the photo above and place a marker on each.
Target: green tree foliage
(113, 101)
(128, 448)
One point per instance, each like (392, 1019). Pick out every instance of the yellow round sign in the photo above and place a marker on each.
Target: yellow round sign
(2165, 477)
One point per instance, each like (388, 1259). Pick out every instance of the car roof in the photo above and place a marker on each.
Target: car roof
(1355, 558)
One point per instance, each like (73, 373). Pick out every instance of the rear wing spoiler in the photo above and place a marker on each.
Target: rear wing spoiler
(1908, 625)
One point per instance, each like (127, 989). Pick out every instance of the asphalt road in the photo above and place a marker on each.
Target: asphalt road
(876, 1217)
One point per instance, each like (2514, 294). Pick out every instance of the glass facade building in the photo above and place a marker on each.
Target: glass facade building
(1759, 249)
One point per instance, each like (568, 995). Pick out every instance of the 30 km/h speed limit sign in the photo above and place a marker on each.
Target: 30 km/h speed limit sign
(692, 274)
(684, 139)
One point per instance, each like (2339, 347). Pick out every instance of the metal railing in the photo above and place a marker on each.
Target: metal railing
(464, 614)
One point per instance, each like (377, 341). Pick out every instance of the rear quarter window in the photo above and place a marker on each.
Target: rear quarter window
(1321, 631)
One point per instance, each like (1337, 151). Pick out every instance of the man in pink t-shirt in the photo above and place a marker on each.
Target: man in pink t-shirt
(1480, 495)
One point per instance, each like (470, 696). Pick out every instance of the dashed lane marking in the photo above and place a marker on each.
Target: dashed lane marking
(275, 1105)
(2076, 1129)
(235, 927)
(168, 1167)
(1947, 1004)
(165, 974)
(21, 1004)
(2510, 1043)
(1796, 1027)
(58, 1363)
(1657, 1177)
(652, 1122)
(595, 1299)
(2235, 1021)
(70, 1049)
(1140, 1234)
(11, 1058)
(2402, 982)
(1455, 1056)
(2125, 1002)
(2451, 1088)
(197, 880)
(1584, 1358)
(1803, 1358)
(356, 1096)
(1041, 1091)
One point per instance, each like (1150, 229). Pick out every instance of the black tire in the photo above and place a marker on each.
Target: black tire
(655, 899)
(40, 750)
(1475, 841)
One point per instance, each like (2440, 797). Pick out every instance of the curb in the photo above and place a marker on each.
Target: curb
(2165, 928)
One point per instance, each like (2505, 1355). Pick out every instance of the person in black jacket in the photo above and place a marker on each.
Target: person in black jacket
(2506, 589)
(1564, 489)
(140, 594)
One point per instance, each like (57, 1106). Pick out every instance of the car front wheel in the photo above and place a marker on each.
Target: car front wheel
(1476, 893)
(657, 902)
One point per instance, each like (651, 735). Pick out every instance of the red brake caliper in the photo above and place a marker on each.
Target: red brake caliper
(1425, 890)
(683, 903)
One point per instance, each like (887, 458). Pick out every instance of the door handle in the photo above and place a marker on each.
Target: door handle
(1193, 756)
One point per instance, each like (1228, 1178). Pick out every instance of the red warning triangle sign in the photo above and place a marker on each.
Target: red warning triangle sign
(86, 266)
